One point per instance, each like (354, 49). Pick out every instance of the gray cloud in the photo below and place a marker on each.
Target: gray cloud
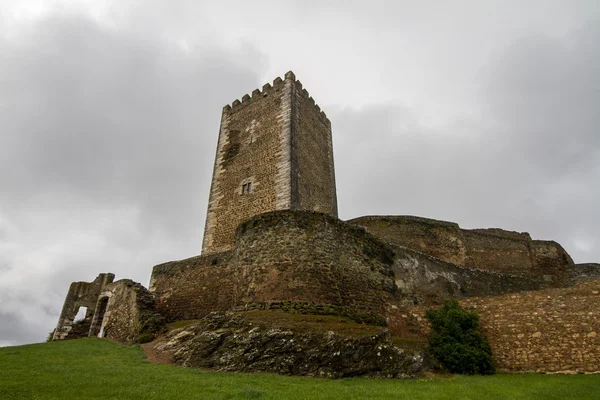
(106, 156)
(530, 162)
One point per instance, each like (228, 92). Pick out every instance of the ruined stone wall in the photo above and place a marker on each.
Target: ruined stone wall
(122, 310)
(130, 312)
(285, 256)
(551, 261)
(80, 294)
(313, 175)
(484, 249)
(551, 330)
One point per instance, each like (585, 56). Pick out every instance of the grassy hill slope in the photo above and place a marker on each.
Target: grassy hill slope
(99, 369)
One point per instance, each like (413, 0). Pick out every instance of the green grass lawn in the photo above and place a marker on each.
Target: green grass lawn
(99, 369)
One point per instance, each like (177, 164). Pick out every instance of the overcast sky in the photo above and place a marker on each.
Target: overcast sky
(486, 113)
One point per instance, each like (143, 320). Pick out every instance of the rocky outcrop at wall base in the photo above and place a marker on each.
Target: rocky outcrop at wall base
(322, 346)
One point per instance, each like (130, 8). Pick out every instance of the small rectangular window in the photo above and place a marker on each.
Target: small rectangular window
(247, 188)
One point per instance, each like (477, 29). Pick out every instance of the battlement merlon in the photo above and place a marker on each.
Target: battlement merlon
(277, 85)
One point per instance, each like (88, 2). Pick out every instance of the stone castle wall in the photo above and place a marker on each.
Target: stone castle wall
(582, 272)
(439, 239)
(484, 249)
(285, 256)
(274, 153)
(313, 176)
(551, 330)
(194, 287)
(250, 149)
(424, 279)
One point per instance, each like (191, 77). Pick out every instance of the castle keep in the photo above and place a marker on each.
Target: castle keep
(274, 153)
(272, 241)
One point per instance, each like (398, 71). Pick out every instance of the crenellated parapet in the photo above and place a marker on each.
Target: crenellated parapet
(270, 89)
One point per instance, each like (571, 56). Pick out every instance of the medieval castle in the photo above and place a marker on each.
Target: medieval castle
(272, 240)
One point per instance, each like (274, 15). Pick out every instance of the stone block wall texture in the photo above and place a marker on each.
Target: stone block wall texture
(279, 142)
(130, 312)
(285, 256)
(485, 249)
(492, 250)
(552, 330)
(120, 310)
(194, 287)
(424, 279)
(439, 239)
(313, 174)
(582, 272)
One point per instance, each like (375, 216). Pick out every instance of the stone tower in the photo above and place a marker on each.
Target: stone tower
(274, 153)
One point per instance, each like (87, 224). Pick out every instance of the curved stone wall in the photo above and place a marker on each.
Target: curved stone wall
(307, 256)
(194, 287)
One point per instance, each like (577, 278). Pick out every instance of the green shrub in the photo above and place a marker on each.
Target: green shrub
(145, 337)
(456, 342)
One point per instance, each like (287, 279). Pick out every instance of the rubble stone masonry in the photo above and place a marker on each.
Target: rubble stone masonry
(554, 330)
(299, 257)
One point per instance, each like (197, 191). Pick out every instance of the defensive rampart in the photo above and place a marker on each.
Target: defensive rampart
(301, 258)
(484, 249)
(551, 330)
(424, 279)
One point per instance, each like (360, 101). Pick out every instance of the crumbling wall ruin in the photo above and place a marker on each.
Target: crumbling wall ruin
(81, 294)
(123, 311)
